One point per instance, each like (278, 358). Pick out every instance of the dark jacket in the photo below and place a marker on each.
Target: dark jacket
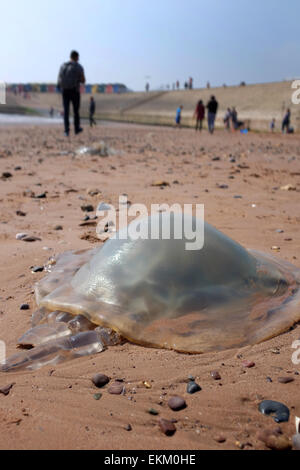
(212, 106)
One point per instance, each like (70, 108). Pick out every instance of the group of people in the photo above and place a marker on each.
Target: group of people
(231, 119)
(71, 76)
(199, 115)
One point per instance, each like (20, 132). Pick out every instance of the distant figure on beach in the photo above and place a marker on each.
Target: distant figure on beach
(236, 124)
(272, 125)
(199, 115)
(147, 87)
(191, 83)
(71, 75)
(177, 85)
(51, 112)
(286, 121)
(227, 119)
(178, 116)
(208, 85)
(186, 85)
(212, 107)
(92, 110)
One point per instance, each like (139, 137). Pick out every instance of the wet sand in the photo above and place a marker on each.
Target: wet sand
(54, 408)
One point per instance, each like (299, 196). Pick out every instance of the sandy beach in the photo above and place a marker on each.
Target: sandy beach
(55, 408)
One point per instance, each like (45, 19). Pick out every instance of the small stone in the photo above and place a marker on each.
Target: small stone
(117, 388)
(6, 174)
(285, 380)
(153, 412)
(191, 378)
(37, 269)
(5, 390)
(193, 387)
(279, 410)
(100, 380)
(167, 427)
(58, 227)
(177, 403)
(248, 364)
(41, 196)
(220, 439)
(161, 184)
(30, 239)
(97, 396)
(147, 384)
(24, 307)
(128, 427)
(88, 208)
(215, 375)
(21, 213)
(274, 439)
(296, 441)
(20, 236)
(93, 192)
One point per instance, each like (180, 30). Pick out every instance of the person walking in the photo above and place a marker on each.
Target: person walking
(212, 107)
(199, 115)
(92, 110)
(286, 121)
(71, 75)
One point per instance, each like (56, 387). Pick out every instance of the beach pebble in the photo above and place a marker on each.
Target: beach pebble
(100, 380)
(285, 380)
(248, 364)
(30, 239)
(153, 412)
(296, 441)
(24, 307)
(116, 388)
(279, 410)
(215, 375)
(6, 174)
(37, 269)
(193, 387)
(6, 389)
(177, 403)
(20, 236)
(88, 208)
(41, 196)
(97, 396)
(220, 439)
(274, 439)
(58, 227)
(128, 427)
(167, 427)
(21, 213)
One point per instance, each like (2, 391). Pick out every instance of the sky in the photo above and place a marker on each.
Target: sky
(155, 41)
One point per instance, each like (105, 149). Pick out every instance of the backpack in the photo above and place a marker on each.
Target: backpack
(69, 76)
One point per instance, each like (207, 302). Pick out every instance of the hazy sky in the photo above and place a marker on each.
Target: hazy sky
(223, 41)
